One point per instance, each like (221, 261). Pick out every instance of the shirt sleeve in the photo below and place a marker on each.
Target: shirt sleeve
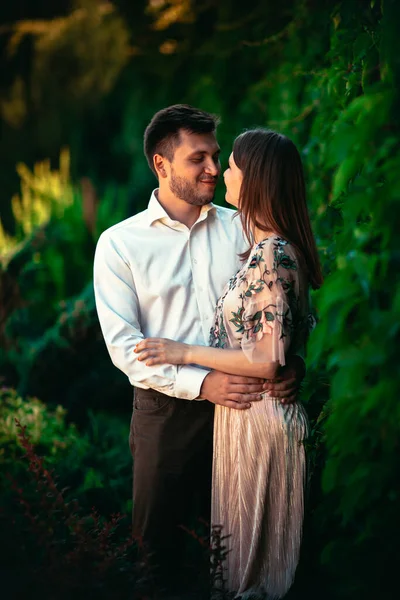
(267, 298)
(118, 310)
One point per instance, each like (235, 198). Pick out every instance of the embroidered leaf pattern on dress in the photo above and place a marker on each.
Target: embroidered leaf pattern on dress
(255, 260)
(254, 323)
(237, 320)
(254, 288)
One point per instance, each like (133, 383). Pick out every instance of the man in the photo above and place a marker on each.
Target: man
(159, 274)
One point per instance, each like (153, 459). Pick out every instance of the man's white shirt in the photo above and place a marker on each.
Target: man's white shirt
(155, 277)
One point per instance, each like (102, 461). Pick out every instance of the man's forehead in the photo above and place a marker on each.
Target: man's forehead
(197, 142)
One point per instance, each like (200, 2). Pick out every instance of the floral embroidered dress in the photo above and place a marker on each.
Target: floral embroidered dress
(259, 464)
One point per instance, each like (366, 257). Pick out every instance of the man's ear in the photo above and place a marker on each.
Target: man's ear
(159, 165)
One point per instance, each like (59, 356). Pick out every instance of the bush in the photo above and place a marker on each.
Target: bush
(61, 550)
(94, 465)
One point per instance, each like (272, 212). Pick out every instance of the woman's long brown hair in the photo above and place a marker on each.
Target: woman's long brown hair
(273, 194)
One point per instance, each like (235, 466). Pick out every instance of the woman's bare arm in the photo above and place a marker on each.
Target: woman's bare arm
(231, 361)
(160, 350)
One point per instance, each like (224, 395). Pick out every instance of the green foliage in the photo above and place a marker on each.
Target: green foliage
(91, 44)
(72, 344)
(94, 464)
(49, 260)
(62, 551)
(44, 194)
(358, 306)
(47, 430)
(48, 528)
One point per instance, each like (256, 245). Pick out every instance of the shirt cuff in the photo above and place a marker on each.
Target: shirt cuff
(189, 381)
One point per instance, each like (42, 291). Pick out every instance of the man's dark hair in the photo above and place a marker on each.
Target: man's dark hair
(162, 133)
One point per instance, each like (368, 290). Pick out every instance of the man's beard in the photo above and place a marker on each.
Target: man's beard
(185, 190)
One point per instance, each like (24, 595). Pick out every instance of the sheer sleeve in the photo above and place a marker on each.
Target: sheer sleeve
(268, 299)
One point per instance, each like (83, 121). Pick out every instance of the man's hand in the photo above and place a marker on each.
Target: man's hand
(286, 385)
(232, 391)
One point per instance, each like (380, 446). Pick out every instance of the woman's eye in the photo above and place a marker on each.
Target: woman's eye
(196, 160)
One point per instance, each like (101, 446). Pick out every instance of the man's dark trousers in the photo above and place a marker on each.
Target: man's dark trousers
(171, 444)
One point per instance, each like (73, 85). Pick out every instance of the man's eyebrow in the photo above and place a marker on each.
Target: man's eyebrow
(195, 152)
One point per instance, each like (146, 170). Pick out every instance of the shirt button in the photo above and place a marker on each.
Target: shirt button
(195, 261)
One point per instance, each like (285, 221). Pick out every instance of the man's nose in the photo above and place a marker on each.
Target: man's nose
(212, 168)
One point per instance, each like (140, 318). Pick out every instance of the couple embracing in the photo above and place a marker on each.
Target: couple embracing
(207, 314)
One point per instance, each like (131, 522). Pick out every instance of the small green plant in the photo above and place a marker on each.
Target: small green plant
(47, 429)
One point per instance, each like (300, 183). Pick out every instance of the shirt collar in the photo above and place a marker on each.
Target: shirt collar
(157, 213)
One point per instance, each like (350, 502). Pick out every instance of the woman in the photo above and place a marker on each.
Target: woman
(259, 464)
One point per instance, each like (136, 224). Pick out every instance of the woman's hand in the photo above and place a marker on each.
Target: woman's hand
(159, 351)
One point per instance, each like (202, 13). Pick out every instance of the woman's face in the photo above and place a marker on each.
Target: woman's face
(233, 178)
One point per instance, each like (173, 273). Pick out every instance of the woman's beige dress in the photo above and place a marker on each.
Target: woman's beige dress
(259, 465)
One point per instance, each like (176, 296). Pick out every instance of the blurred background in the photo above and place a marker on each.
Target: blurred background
(80, 81)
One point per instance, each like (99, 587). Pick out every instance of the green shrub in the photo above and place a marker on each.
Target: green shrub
(47, 429)
(61, 549)
(95, 464)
